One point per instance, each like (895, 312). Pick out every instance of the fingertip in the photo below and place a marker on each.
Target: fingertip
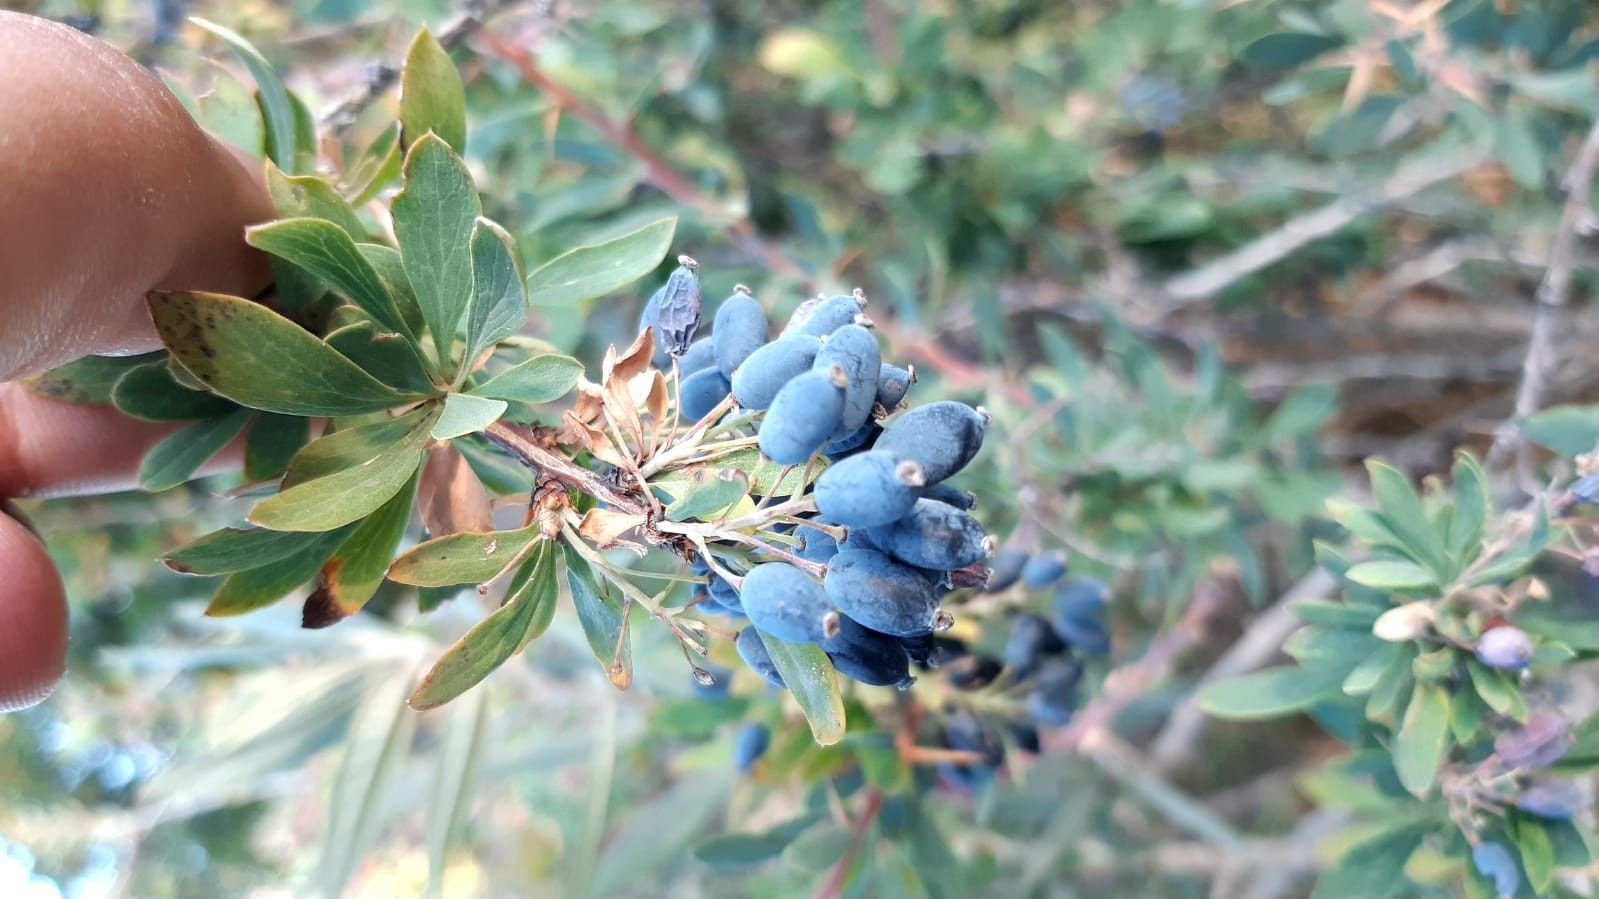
(33, 619)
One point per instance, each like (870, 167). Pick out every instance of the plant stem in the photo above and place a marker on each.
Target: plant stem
(523, 443)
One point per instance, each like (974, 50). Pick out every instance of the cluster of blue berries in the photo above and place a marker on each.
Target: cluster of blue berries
(885, 538)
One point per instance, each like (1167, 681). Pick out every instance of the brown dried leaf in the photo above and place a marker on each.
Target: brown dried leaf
(450, 497)
(633, 361)
(603, 527)
(590, 401)
(321, 608)
(655, 401)
(594, 440)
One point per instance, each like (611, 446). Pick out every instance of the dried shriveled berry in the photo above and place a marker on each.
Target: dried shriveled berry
(674, 310)
(853, 350)
(934, 535)
(869, 489)
(802, 416)
(699, 393)
(757, 381)
(738, 330)
(753, 652)
(941, 436)
(862, 654)
(786, 602)
(882, 594)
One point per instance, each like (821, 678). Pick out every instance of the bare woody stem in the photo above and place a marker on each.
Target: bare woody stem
(524, 443)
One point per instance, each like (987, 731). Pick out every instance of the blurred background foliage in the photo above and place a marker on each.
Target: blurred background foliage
(1197, 258)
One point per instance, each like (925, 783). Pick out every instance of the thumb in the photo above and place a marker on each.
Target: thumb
(33, 618)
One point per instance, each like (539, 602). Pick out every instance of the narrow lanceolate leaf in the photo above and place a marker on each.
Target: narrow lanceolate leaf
(1403, 512)
(356, 568)
(466, 414)
(348, 494)
(260, 359)
(378, 742)
(88, 381)
(151, 393)
(1423, 738)
(254, 588)
(1391, 575)
(297, 196)
(460, 558)
(599, 269)
(273, 441)
(1471, 509)
(499, 302)
(431, 94)
(603, 624)
(1269, 694)
(179, 455)
(237, 549)
(454, 779)
(433, 219)
(329, 252)
(277, 104)
(813, 683)
(496, 638)
(542, 379)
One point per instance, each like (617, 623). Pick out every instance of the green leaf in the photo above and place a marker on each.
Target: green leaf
(237, 549)
(350, 493)
(310, 196)
(1303, 412)
(273, 441)
(1374, 869)
(735, 851)
(1382, 704)
(433, 220)
(1497, 690)
(277, 104)
(390, 266)
(1564, 430)
(604, 625)
(180, 454)
(260, 359)
(1471, 509)
(542, 379)
(330, 253)
(151, 393)
(1515, 561)
(813, 683)
(431, 95)
(350, 447)
(499, 301)
(496, 638)
(1537, 852)
(705, 492)
(254, 588)
(460, 558)
(357, 567)
(1271, 693)
(378, 741)
(455, 779)
(763, 473)
(88, 381)
(1402, 511)
(389, 357)
(603, 268)
(466, 414)
(1286, 50)
(1391, 575)
(1423, 738)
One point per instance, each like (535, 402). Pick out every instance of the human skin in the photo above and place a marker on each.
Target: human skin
(108, 190)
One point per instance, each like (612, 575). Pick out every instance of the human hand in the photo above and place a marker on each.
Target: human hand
(108, 189)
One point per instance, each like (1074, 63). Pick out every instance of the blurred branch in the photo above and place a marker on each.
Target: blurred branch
(834, 887)
(1175, 745)
(1124, 763)
(1273, 881)
(1553, 296)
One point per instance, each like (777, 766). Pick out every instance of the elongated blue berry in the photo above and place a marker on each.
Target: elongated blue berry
(1031, 639)
(786, 602)
(753, 652)
(893, 383)
(738, 330)
(724, 594)
(1043, 570)
(1081, 597)
(924, 649)
(802, 416)
(1084, 634)
(749, 744)
(700, 355)
(942, 436)
(964, 500)
(853, 349)
(674, 310)
(1005, 569)
(699, 393)
(864, 655)
(816, 546)
(1506, 648)
(857, 441)
(869, 489)
(757, 381)
(1539, 743)
(884, 595)
(826, 316)
(934, 535)
(1494, 862)
(1554, 799)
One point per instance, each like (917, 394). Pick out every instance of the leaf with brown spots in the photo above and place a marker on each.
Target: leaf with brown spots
(357, 567)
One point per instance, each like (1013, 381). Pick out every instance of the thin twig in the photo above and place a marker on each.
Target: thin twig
(524, 443)
(834, 887)
(1553, 295)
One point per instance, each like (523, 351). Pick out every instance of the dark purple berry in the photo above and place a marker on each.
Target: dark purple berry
(882, 594)
(934, 535)
(674, 310)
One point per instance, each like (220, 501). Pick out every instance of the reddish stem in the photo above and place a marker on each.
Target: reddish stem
(834, 887)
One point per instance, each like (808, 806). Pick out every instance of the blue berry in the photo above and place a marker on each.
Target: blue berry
(923, 649)
(699, 393)
(757, 381)
(853, 349)
(825, 316)
(882, 594)
(972, 672)
(700, 355)
(753, 652)
(816, 546)
(965, 732)
(1047, 713)
(1539, 743)
(1493, 861)
(942, 436)
(1005, 569)
(749, 744)
(852, 443)
(934, 535)
(867, 656)
(1083, 634)
(724, 594)
(786, 602)
(738, 330)
(869, 489)
(1031, 639)
(1506, 648)
(1043, 570)
(893, 383)
(802, 416)
(1586, 489)
(674, 310)
(1056, 680)
(1026, 737)
(964, 500)
(1081, 597)
(1554, 799)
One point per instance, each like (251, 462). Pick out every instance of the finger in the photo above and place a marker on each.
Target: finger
(33, 619)
(109, 190)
